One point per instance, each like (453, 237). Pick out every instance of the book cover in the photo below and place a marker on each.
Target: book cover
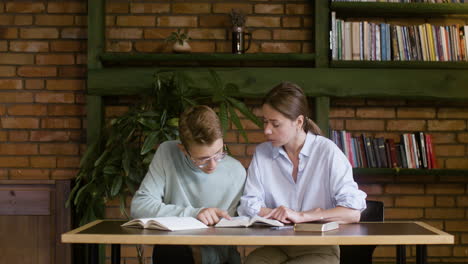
(316, 226)
(375, 146)
(171, 223)
(245, 221)
(393, 153)
(382, 152)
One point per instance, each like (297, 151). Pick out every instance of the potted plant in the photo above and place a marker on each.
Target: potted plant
(180, 40)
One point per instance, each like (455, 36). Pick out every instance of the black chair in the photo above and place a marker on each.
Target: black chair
(363, 254)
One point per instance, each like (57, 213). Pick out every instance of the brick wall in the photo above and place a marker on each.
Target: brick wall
(42, 84)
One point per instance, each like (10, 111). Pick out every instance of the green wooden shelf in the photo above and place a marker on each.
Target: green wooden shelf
(400, 64)
(203, 57)
(417, 172)
(374, 9)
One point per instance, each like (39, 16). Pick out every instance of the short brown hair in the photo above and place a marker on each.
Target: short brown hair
(200, 125)
(290, 100)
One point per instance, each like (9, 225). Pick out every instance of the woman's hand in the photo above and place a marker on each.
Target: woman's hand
(285, 215)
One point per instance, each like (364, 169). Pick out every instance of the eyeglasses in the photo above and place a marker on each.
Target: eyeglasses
(201, 163)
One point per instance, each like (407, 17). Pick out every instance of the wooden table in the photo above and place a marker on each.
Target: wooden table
(381, 233)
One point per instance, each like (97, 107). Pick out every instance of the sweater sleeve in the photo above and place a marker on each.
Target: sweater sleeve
(148, 200)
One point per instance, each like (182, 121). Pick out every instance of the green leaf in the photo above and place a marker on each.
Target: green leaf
(149, 123)
(223, 116)
(117, 184)
(150, 141)
(78, 195)
(235, 120)
(91, 150)
(102, 157)
(126, 161)
(245, 111)
(72, 193)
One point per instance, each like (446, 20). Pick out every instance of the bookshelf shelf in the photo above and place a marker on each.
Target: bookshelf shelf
(400, 64)
(417, 172)
(373, 9)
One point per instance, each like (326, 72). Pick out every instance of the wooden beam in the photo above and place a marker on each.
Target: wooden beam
(255, 82)
(322, 29)
(322, 113)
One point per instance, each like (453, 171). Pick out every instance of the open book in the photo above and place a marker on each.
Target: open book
(246, 221)
(316, 226)
(172, 223)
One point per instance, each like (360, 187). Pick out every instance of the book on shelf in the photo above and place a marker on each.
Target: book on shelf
(316, 226)
(245, 221)
(170, 223)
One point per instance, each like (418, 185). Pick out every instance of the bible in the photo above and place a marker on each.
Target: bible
(245, 221)
(171, 223)
(316, 226)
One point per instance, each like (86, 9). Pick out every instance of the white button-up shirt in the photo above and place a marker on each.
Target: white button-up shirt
(324, 179)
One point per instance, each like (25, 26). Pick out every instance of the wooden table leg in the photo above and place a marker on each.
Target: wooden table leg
(115, 254)
(421, 254)
(401, 254)
(93, 256)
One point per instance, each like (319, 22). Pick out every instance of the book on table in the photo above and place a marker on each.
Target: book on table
(316, 226)
(245, 221)
(171, 223)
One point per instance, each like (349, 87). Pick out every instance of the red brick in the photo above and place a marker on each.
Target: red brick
(446, 125)
(28, 7)
(54, 20)
(371, 189)
(148, 8)
(375, 112)
(202, 46)
(68, 162)
(458, 226)
(416, 112)
(117, 8)
(214, 21)
(444, 213)
(29, 109)
(460, 251)
(443, 138)
(39, 33)
(29, 46)
(406, 125)
(55, 59)
(450, 150)
(177, 21)
(34, 84)
(456, 163)
(7, 84)
(291, 34)
(29, 174)
(291, 22)
(249, 125)
(65, 110)
(445, 189)
(12, 162)
(298, 9)
(23, 20)
(459, 113)
(6, 20)
(227, 7)
(16, 97)
(20, 122)
(403, 213)
(341, 112)
(261, 34)
(237, 150)
(18, 136)
(64, 174)
(231, 137)
(119, 46)
(65, 85)
(125, 33)
(280, 47)
(53, 97)
(72, 71)
(7, 71)
(404, 189)
(18, 149)
(263, 21)
(191, 8)
(439, 251)
(58, 149)
(66, 7)
(43, 162)
(47, 136)
(68, 46)
(269, 9)
(2, 109)
(445, 201)
(74, 33)
(61, 123)
(207, 33)
(16, 59)
(136, 21)
(81, 20)
(114, 111)
(253, 136)
(414, 201)
(37, 71)
(375, 125)
(462, 137)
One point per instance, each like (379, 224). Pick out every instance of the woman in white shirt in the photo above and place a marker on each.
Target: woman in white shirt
(298, 176)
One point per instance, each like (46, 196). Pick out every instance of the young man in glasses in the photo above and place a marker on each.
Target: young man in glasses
(193, 177)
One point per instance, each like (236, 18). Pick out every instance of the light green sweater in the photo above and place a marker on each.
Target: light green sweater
(174, 186)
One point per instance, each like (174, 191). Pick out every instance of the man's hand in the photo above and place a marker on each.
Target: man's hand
(211, 216)
(285, 215)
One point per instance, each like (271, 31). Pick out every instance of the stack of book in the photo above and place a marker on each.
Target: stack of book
(414, 150)
(366, 41)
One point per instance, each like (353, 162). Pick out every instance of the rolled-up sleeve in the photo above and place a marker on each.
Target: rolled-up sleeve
(253, 198)
(343, 186)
